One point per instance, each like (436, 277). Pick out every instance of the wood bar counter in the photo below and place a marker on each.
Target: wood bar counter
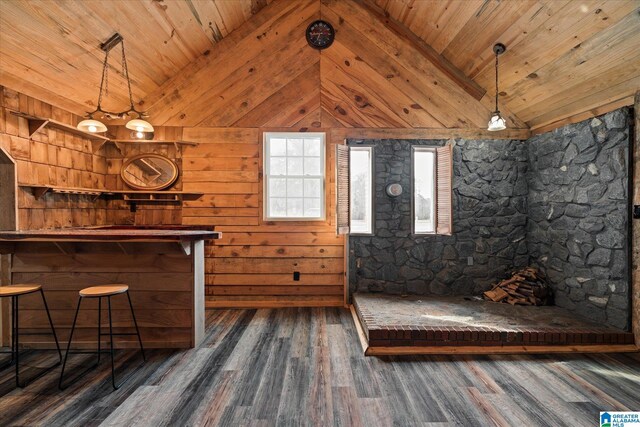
(163, 267)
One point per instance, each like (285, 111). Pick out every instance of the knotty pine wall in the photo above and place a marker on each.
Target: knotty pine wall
(51, 157)
(253, 263)
(371, 83)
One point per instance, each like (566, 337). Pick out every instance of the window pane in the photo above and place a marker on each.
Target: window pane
(278, 166)
(294, 166)
(360, 203)
(424, 190)
(294, 187)
(294, 147)
(278, 147)
(312, 207)
(312, 147)
(294, 208)
(312, 166)
(278, 206)
(312, 187)
(289, 157)
(278, 187)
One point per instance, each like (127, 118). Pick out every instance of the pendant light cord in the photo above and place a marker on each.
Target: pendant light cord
(496, 81)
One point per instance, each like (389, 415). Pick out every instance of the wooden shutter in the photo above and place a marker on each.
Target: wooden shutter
(444, 178)
(342, 189)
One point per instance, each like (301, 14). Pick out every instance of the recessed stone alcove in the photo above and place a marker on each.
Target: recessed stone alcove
(558, 201)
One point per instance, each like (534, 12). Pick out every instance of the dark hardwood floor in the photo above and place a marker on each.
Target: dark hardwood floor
(305, 367)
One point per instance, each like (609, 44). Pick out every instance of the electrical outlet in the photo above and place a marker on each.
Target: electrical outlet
(469, 260)
(296, 276)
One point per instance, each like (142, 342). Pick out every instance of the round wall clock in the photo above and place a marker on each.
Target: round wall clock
(320, 34)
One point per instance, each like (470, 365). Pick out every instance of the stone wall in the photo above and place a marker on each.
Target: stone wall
(578, 217)
(489, 204)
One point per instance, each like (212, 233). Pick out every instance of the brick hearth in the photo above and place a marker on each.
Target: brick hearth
(393, 321)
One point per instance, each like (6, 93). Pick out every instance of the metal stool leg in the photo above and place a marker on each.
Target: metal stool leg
(12, 350)
(53, 330)
(99, 325)
(16, 347)
(136, 325)
(111, 334)
(66, 355)
(113, 366)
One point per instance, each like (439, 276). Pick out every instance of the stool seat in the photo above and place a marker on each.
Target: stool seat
(104, 291)
(14, 290)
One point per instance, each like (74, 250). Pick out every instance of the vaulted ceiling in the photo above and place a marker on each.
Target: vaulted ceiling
(395, 63)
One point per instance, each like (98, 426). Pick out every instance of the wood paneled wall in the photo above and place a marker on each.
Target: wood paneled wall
(159, 275)
(252, 264)
(50, 157)
(372, 83)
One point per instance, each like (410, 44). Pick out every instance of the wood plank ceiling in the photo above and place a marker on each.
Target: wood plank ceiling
(50, 49)
(565, 59)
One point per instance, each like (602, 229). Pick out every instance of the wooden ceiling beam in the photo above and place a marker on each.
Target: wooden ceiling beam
(439, 61)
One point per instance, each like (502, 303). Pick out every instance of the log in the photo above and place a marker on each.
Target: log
(526, 286)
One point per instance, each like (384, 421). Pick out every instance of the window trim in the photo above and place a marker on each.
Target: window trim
(372, 147)
(265, 181)
(433, 149)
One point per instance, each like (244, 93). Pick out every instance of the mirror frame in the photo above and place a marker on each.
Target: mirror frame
(165, 185)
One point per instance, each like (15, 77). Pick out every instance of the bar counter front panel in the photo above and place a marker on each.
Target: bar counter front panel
(164, 270)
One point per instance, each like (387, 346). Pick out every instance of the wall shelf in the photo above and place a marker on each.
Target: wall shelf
(37, 123)
(41, 190)
(97, 141)
(119, 143)
(132, 196)
(157, 196)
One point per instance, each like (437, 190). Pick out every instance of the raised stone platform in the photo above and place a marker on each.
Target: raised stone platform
(393, 321)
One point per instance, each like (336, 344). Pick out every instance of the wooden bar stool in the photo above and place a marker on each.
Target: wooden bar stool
(15, 292)
(100, 292)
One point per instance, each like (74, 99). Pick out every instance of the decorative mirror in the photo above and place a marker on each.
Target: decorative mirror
(149, 172)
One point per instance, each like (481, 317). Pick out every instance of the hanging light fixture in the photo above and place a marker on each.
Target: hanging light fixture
(141, 127)
(497, 122)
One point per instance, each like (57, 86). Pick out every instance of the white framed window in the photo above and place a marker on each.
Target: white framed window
(294, 170)
(432, 182)
(361, 190)
(424, 190)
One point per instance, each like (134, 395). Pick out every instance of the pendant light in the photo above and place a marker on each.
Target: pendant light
(497, 122)
(138, 124)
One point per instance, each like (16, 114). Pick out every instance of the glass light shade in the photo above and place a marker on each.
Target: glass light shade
(139, 125)
(497, 122)
(91, 125)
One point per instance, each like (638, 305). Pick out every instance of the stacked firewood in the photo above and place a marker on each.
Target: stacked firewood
(527, 286)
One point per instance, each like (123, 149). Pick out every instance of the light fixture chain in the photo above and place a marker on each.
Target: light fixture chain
(125, 70)
(104, 82)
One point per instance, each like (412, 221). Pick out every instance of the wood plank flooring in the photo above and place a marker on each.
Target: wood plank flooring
(305, 367)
